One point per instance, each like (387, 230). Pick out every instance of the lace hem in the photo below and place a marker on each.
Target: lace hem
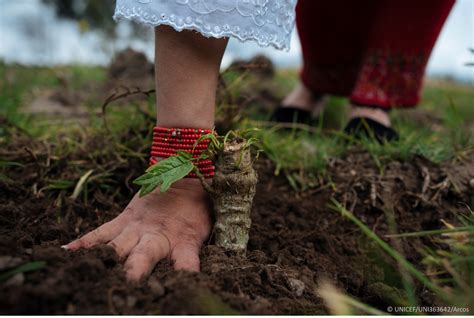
(263, 39)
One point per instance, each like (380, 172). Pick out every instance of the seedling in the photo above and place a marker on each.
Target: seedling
(232, 189)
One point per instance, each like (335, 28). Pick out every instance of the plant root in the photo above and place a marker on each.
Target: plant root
(233, 189)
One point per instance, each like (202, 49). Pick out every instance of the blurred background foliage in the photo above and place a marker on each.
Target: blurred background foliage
(93, 14)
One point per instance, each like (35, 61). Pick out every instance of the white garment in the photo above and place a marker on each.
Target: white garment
(268, 22)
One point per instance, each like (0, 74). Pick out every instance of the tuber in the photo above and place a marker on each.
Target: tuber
(232, 189)
(232, 192)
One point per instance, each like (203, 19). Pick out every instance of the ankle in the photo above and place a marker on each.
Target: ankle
(192, 186)
(377, 114)
(302, 98)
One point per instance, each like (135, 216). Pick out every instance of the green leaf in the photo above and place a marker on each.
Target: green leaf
(147, 188)
(184, 154)
(28, 267)
(178, 168)
(147, 178)
(164, 173)
(157, 167)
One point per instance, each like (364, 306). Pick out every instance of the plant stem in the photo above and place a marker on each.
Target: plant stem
(390, 251)
(433, 232)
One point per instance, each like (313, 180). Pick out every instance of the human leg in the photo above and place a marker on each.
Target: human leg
(177, 222)
(332, 36)
(399, 44)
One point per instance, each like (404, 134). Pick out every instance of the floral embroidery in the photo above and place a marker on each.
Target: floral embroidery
(268, 22)
(384, 77)
(389, 79)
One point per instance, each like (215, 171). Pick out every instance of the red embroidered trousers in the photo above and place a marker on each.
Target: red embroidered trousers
(373, 51)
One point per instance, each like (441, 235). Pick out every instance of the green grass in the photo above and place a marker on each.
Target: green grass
(444, 138)
(438, 95)
(20, 84)
(440, 129)
(452, 269)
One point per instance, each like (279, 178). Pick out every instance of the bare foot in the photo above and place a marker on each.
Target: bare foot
(302, 98)
(173, 224)
(376, 114)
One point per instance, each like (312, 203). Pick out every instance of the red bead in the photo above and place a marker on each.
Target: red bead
(204, 162)
(162, 154)
(207, 169)
(168, 140)
(173, 151)
(188, 150)
(180, 137)
(160, 143)
(168, 154)
(179, 134)
(207, 175)
(185, 148)
(168, 129)
(181, 141)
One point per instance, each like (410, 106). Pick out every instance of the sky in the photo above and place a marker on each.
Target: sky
(30, 33)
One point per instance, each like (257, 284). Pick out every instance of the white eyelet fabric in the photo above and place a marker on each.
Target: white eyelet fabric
(267, 22)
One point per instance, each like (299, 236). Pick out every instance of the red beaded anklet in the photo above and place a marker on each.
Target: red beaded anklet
(167, 141)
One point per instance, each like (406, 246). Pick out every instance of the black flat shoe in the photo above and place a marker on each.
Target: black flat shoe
(365, 127)
(292, 115)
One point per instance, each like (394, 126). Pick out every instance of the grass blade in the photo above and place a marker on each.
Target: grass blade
(28, 267)
(389, 250)
(80, 184)
(339, 304)
(433, 232)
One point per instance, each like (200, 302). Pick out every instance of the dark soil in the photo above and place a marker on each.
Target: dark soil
(295, 239)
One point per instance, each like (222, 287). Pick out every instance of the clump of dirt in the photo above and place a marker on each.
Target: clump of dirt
(295, 239)
(56, 103)
(131, 69)
(260, 65)
(63, 101)
(246, 88)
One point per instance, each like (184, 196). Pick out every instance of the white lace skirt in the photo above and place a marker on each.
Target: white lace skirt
(267, 22)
